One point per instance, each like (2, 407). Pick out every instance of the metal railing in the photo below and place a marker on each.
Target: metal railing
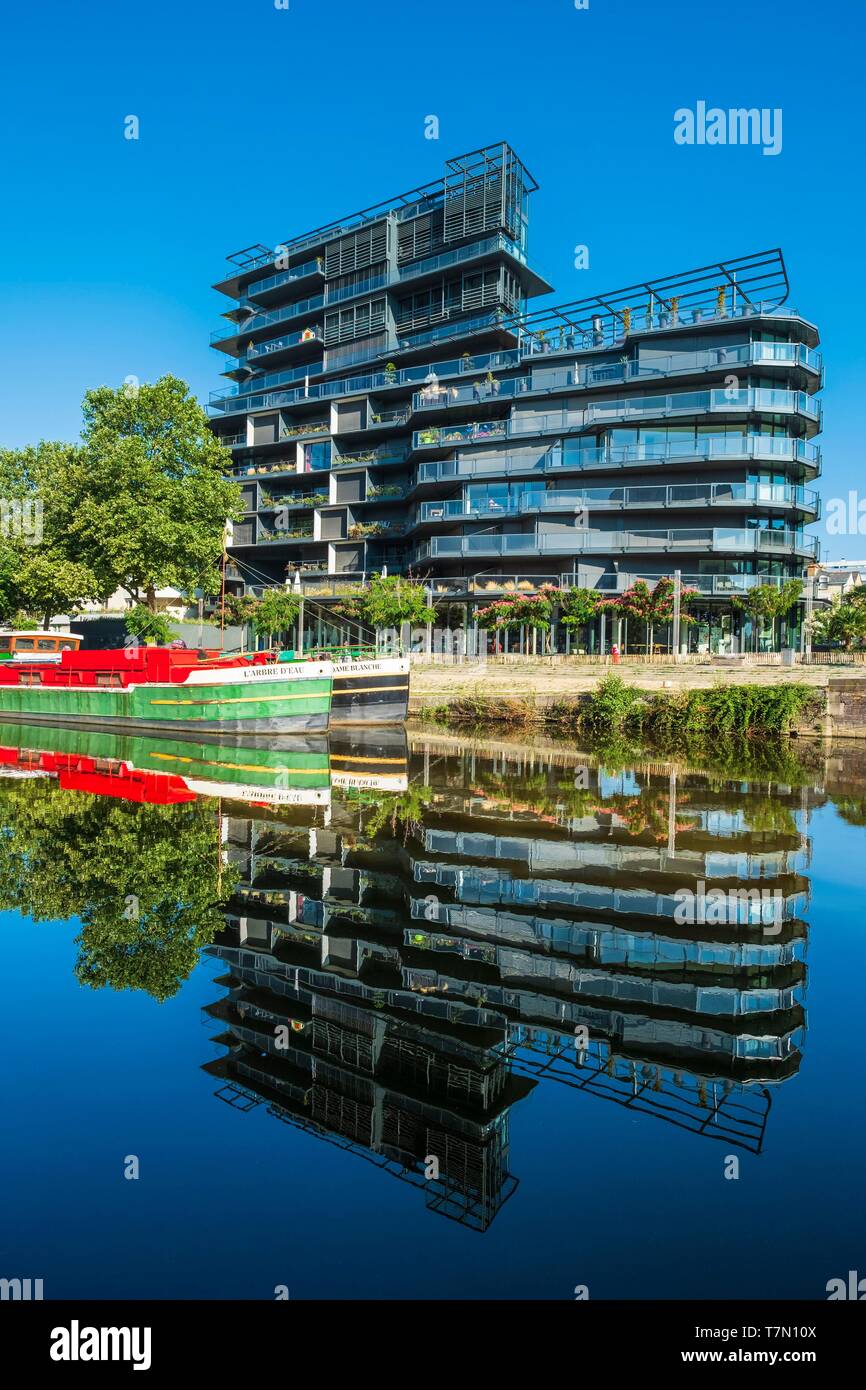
(265, 320)
(585, 375)
(580, 541)
(598, 498)
(707, 585)
(556, 460)
(285, 277)
(371, 381)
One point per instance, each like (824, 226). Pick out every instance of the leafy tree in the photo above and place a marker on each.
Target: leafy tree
(351, 605)
(391, 600)
(843, 624)
(769, 602)
(147, 882)
(147, 495)
(39, 575)
(240, 608)
(533, 611)
(275, 614)
(48, 583)
(142, 623)
(579, 606)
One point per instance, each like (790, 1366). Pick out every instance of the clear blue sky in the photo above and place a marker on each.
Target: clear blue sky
(258, 123)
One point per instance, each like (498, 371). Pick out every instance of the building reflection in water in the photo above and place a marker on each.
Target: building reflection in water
(419, 934)
(408, 957)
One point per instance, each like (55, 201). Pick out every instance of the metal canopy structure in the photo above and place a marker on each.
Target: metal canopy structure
(473, 164)
(730, 286)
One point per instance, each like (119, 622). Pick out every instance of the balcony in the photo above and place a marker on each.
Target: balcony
(268, 535)
(760, 447)
(291, 502)
(287, 346)
(748, 400)
(708, 585)
(384, 419)
(222, 400)
(458, 329)
(585, 376)
(583, 542)
(309, 270)
(553, 335)
(369, 458)
(449, 435)
(242, 327)
(739, 495)
(489, 246)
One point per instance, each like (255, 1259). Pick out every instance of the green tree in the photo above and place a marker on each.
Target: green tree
(532, 611)
(391, 600)
(240, 608)
(147, 882)
(767, 602)
(147, 495)
(147, 626)
(39, 574)
(579, 606)
(275, 614)
(843, 624)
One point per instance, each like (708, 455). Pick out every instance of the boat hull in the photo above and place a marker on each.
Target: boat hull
(371, 692)
(264, 705)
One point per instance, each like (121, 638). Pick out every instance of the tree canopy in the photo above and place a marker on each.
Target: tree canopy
(148, 494)
(147, 882)
(139, 504)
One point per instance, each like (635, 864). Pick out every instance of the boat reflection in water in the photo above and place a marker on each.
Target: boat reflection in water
(418, 935)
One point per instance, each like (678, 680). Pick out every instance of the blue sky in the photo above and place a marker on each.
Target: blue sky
(258, 123)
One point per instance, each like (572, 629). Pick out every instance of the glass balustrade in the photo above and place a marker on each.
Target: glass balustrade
(579, 541)
(687, 494)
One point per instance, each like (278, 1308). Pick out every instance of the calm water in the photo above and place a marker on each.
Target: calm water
(293, 986)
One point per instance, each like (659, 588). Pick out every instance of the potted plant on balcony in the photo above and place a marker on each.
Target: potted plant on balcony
(390, 373)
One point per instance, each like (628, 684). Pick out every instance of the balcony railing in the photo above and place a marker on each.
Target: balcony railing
(618, 498)
(608, 332)
(463, 253)
(368, 458)
(708, 585)
(751, 399)
(286, 277)
(582, 375)
(579, 541)
(353, 385)
(460, 434)
(267, 535)
(771, 448)
(262, 320)
(289, 340)
(380, 419)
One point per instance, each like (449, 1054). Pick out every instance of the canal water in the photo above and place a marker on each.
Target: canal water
(426, 1017)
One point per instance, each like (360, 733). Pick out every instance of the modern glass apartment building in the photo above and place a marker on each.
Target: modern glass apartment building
(397, 402)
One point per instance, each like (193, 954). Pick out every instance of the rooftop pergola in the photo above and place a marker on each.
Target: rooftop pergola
(720, 288)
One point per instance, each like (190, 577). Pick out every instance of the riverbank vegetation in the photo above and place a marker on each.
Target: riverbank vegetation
(615, 709)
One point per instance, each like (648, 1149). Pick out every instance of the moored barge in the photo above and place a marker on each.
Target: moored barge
(166, 690)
